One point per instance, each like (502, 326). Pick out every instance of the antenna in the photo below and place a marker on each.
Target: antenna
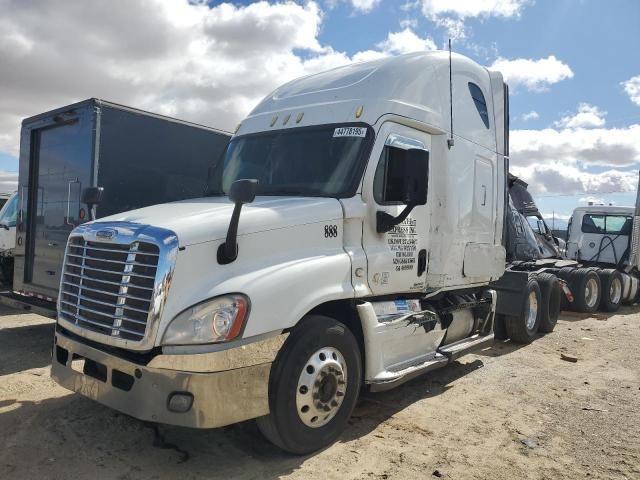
(450, 141)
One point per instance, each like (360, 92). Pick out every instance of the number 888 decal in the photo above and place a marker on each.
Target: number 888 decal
(330, 231)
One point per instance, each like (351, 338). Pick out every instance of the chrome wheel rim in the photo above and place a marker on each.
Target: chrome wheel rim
(532, 314)
(322, 386)
(615, 291)
(591, 292)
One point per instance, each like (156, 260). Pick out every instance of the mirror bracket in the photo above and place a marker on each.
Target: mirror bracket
(385, 221)
(241, 192)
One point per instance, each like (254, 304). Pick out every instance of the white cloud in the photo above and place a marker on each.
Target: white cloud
(572, 147)
(632, 87)
(8, 182)
(472, 8)
(532, 115)
(185, 59)
(406, 41)
(364, 6)
(590, 199)
(534, 75)
(587, 116)
(205, 64)
(565, 179)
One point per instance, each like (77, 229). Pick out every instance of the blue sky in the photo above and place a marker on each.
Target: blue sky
(575, 122)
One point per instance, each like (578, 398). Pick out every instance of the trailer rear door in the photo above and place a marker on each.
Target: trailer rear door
(61, 166)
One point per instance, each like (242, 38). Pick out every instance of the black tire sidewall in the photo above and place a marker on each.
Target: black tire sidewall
(517, 326)
(310, 335)
(607, 277)
(551, 298)
(580, 277)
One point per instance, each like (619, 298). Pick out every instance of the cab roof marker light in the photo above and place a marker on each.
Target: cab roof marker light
(299, 117)
(286, 119)
(273, 121)
(359, 111)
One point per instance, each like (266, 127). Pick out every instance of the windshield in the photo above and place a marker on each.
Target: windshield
(322, 161)
(9, 212)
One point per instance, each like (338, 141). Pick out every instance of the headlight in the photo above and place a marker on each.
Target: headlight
(216, 320)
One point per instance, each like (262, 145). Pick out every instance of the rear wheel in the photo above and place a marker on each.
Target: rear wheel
(523, 328)
(551, 294)
(585, 287)
(633, 291)
(612, 286)
(313, 386)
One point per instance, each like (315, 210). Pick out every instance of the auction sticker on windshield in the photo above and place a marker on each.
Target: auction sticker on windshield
(350, 132)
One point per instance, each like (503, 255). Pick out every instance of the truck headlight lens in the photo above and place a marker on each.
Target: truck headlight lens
(216, 320)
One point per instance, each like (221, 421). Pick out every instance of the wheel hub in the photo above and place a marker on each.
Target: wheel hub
(321, 387)
(532, 314)
(615, 291)
(591, 292)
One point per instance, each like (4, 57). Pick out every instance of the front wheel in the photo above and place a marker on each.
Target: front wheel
(313, 386)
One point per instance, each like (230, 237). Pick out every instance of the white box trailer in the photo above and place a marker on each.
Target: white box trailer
(349, 239)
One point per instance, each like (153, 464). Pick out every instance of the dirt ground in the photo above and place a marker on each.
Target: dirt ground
(508, 412)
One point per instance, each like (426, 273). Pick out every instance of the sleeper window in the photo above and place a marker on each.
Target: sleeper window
(480, 102)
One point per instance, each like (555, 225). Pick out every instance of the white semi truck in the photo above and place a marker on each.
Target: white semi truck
(348, 239)
(604, 239)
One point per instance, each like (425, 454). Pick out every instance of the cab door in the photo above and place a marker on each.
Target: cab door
(397, 260)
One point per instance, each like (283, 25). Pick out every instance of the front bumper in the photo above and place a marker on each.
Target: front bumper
(219, 397)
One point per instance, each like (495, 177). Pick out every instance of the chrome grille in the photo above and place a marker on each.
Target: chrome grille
(108, 288)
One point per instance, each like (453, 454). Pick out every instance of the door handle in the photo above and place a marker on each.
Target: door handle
(66, 221)
(422, 262)
(484, 195)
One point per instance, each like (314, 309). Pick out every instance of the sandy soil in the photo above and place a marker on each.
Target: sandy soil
(505, 413)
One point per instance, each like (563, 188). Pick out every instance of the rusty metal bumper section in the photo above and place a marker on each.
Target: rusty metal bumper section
(224, 387)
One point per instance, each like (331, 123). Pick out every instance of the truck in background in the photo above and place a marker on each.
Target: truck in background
(596, 272)
(604, 238)
(349, 238)
(8, 216)
(136, 157)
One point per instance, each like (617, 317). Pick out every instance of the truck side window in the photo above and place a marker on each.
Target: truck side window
(388, 182)
(480, 102)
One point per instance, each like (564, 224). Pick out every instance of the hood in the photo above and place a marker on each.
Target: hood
(207, 219)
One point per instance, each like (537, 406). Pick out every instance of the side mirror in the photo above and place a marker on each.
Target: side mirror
(92, 195)
(406, 182)
(241, 192)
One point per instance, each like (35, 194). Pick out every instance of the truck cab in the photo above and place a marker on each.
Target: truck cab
(347, 238)
(600, 234)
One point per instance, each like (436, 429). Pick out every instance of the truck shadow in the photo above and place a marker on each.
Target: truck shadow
(25, 347)
(569, 316)
(116, 445)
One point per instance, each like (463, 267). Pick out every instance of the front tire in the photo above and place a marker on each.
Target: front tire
(313, 386)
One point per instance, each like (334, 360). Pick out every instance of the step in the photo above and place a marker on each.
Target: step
(466, 345)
